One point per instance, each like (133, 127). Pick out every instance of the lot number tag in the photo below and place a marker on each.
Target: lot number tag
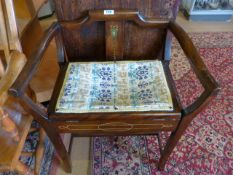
(109, 12)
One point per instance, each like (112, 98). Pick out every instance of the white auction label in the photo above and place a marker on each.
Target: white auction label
(108, 12)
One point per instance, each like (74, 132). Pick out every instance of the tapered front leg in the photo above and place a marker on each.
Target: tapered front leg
(173, 140)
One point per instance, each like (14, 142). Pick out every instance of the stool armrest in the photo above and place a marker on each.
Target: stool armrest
(198, 66)
(22, 82)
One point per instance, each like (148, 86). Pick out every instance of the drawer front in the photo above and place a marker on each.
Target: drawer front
(116, 127)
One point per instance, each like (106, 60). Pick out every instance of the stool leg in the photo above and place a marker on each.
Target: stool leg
(173, 140)
(56, 140)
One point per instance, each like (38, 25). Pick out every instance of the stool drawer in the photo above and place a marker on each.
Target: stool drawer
(116, 127)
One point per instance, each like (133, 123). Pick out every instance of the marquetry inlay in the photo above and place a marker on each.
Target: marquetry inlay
(113, 126)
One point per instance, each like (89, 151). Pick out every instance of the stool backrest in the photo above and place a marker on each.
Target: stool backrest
(92, 42)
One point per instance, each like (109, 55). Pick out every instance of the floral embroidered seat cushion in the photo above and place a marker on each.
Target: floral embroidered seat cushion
(114, 87)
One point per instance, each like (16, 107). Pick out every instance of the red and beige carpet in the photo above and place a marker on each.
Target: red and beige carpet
(207, 146)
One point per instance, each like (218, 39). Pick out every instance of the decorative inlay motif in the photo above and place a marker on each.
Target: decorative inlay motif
(114, 86)
(113, 126)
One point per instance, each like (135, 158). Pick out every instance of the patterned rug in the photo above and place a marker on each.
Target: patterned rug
(207, 145)
(30, 146)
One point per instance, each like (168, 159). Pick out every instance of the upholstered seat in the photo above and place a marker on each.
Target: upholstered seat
(113, 87)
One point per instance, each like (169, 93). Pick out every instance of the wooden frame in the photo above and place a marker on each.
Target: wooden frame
(183, 117)
(9, 32)
(14, 129)
(19, 125)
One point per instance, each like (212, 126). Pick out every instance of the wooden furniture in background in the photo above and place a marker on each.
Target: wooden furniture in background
(9, 39)
(16, 123)
(120, 33)
(30, 35)
(21, 30)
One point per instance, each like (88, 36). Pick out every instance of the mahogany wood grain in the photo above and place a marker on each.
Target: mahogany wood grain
(34, 61)
(117, 127)
(172, 87)
(30, 33)
(114, 38)
(68, 11)
(197, 64)
(207, 81)
(118, 123)
(61, 52)
(132, 49)
(28, 42)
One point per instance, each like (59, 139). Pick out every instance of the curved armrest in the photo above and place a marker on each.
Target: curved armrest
(207, 81)
(33, 62)
(16, 64)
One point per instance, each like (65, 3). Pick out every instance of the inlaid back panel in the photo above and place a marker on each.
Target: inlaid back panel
(89, 42)
(73, 9)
